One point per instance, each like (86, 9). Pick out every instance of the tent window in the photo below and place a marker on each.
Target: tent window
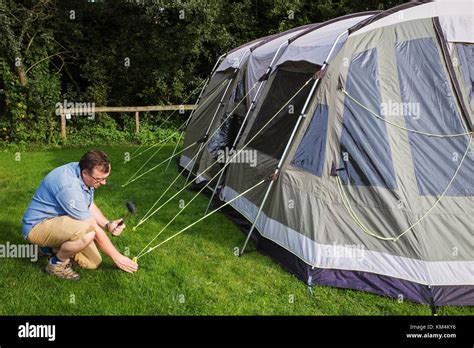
(366, 155)
(424, 85)
(312, 149)
(466, 57)
(229, 125)
(274, 137)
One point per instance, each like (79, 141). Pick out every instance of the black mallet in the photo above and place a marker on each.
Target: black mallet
(131, 209)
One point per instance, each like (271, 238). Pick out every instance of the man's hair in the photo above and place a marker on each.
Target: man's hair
(92, 159)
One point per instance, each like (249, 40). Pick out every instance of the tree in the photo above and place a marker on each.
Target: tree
(118, 52)
(30, 86)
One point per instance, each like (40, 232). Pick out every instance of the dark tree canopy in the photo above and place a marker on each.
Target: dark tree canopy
(128, 53)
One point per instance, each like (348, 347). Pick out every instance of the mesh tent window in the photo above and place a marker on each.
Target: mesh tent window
(365, 151)
(311, 151)
(229, 124)
(423, 82)
(273, 139)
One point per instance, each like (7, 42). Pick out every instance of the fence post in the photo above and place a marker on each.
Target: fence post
(137, 122)
(63, 125)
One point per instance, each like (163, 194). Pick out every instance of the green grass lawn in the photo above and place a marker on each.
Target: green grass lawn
(196, 273)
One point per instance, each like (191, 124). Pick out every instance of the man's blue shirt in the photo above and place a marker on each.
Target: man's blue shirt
(62, 192)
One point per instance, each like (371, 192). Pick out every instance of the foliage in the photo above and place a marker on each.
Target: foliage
(125, 53)
(107, 130)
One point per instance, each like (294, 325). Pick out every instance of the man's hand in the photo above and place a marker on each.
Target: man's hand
(116, 227)
(125, 264)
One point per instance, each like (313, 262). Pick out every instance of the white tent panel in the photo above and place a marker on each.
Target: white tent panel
(262, 56)
(233, 59)
(314, 46)
(458, 28)
(456, 18)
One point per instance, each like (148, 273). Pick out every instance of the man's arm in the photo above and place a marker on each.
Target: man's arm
(109, 249)
(98, 216)
(113, 227)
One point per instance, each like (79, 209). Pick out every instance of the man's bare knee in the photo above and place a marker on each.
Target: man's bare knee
(85, 240)
(88, 237)
(84, 230)
(78, 244)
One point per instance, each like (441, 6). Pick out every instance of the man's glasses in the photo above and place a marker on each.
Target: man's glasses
(97, 180)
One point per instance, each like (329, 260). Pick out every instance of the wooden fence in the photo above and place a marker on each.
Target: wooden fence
(136, 109)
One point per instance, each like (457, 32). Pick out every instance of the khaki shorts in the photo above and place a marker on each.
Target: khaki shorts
(54, 232)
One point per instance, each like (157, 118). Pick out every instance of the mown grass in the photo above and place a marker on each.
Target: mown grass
(196, 273)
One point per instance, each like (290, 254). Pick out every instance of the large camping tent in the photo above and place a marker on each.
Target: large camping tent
(226, 89)
(364, 126)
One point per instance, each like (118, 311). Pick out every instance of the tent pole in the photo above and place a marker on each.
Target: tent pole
(249, 111)
(174, 150)
(217, 110)
(290, 140)
(210, 125)
(275, 177)
(213, 71)
(195, 105)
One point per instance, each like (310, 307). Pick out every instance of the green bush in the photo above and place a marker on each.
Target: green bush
(30, 110)
(105, 129)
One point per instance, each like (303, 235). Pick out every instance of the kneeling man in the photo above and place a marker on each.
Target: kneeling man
(62, 216)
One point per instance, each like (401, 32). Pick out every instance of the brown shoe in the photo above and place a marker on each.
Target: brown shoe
(62, 270)
(73, 262)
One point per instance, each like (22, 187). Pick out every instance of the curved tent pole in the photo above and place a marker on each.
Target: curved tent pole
(249, 111)
(275, 174)
(208, 79)
(216, 66)
(217, 110)
(211, 75)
